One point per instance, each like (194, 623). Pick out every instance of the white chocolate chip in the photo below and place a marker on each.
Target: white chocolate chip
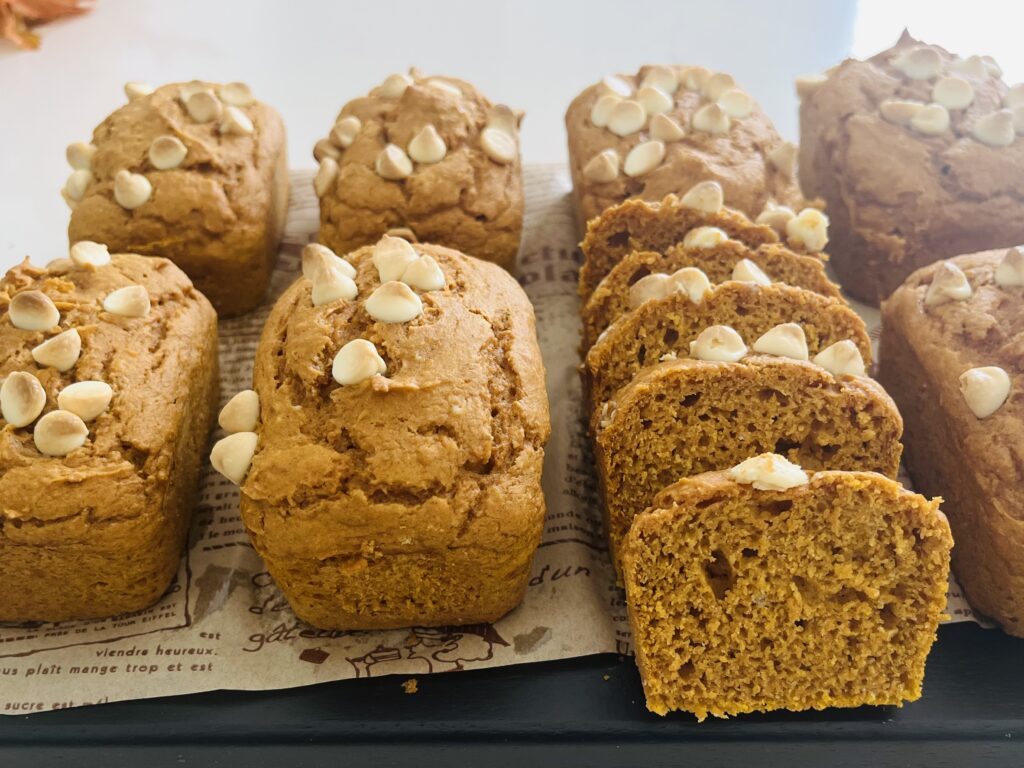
(809, 229)
(391, 257)
(712, 119)
(316, 257)
(841, 359)
(59, 433)
(427, 146)
(647, 288)
(603, 167)
(618, 86)
(61, 351)
(776, 216)
(736, 103)
(768, 472)
(1014, 96)
(345, 131)
(167, 152)
(992, 66)
(33, 311)
(236, 122)
(357, 361)
(442, 85)
(241, 413)
(627, 117)
(79, 155)
(953, 92)
(899, 111)
(323, 148)
(236, 94)
(706, 196)
(86, 253)
(602, 110)
(995, 129)
(424, 274)
(392, 163)
(504, 118)
(972, 66)
(783, 157)
(232, 456)
(203, 106)
(1018, 120)
(695, 78)
(131, 189)
(86, 399)
(76, 185)
(716, 85)
(654, 100)
(985, 389)
(22, 399)
(643, 158)
(661, 77)
(331, 284)
(135, 90)
(326, 175)
(704, 237)
(691, 281)
(784, 340)
(747, 271)
(130, 301)
(719, 343)
(394, 302)
(931, 120)
(186, 90)
(1010, 271)
(919, 63)
(949, 283)
(394, 85)
(808, 84)
(665, 128)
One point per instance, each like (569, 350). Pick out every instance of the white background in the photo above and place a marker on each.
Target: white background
(307, 58)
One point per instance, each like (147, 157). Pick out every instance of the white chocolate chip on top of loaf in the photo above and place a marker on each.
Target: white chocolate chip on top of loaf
(236, 122)
(394, 85)
(503, 118)
(323, 148)
(665, 128)
(427, 146)
(776, 216)
(1014, 96)
(808, 84)
(949, 283)
(392, 163)
(643, 158)
(626, 117)
(167, 152)
(695, 78)
(808, 229)
(424, 274)
(899, 111)
(134, 89)
(654, 100)
(345, 131)
(706, 196)
(617, 85)
(930, 120)
(648, 288)
(841, 359)
(985, 389)
(712, 119)
(602, 109)
(203, 107)
(86, 399)
(498, 145)
(784, 340)
(391, 256)
(394, 302)
(972, 66)
(704, 237)
(236, 94)
(357, 361)
(783, 157)
(716, 85)
(768, 472)
(736, 103)
(131, 189)
(719, 343)
(59, 433)
(919, 63)
(1010, 271)
(953, 92)
(232, 456)
(661, 77)
(33, 311)
(746, 271)
(326, 175)
(691, 281)
(76, 185)
(995, 129)
(316, 256)
(129, 301)
(22, 399)
(241, 413)
(79, 155)
(603, 167)
(330, 284)
(61, 351)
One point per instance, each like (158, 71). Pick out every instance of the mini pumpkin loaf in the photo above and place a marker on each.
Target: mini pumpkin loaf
(666, 326)
(643, 273)
(109, 370)
(427, 154)
(664, 129)
(952, 356)
(684, 417)
(762, 588)
(638, 225)
(919, 155)
(195, 172)
(395, 472)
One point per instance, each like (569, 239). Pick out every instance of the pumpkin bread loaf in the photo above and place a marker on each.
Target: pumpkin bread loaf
(109, 371)
(195, 172)
(761, 588)
(684, 417)
(952, 356)
(396, 437)
(431, 155)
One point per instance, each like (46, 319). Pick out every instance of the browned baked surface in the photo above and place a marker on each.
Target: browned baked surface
(737, 159)
(467, 201)
(218, 215)
(825, 595)
(684, 417)
(897, 198)
(659, 327)
(100, 531)
(412, 498)
(976, 465)
(610, 299)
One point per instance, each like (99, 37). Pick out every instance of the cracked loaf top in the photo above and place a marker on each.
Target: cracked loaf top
(919, 155)
(666, 128)
(402, 404)
(96, 352)
(428, 154)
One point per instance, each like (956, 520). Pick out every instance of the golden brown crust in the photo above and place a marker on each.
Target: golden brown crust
(466, 201)
(828, 594)
(975, 464)
(898, 199)
(367, 500)
(114, 512)
(218, 216)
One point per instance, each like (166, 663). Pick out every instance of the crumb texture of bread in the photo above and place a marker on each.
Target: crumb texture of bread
(466, 200)
(219, 215)
(411, 498)
(99, 532)
(825, 595)
(976, 465)
(897, 198)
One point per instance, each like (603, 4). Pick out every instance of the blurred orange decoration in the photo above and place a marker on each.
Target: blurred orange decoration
(18, 17)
